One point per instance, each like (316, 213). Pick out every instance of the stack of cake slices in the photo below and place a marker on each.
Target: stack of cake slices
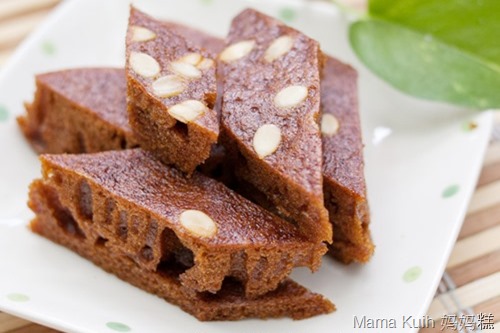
(206, 170)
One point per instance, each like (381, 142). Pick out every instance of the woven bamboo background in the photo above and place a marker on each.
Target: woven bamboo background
(471, 283)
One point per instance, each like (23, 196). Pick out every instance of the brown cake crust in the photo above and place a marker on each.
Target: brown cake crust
(135, 203)
(230, 303)
(343, 167)
(78, 111)
(291, 176)
(185, 143)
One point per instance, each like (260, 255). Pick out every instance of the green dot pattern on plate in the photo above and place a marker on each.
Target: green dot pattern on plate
(412, 274)
(16, 297)
(4, 114)
(450, 191)
(469, 126)
(119, 327)
(207, 2)
(287, 14)
(48, 48)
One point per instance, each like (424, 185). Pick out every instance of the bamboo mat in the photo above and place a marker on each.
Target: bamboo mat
(471, 283)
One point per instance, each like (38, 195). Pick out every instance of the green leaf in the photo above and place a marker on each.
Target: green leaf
(446, 50)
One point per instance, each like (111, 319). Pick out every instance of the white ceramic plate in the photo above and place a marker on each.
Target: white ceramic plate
(421, 168)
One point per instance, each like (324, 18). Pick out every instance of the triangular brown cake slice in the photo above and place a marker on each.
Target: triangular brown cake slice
(78, 111)
(230, 303)
(156, 216)
(343, 168)
(171, 93)
(270, 116)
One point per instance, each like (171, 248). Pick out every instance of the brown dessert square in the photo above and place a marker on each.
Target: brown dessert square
(343, 165)
(171, 93)
(156, 216)
(230, 303)
(270, 117)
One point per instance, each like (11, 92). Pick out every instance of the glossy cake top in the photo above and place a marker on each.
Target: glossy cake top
(138, 177)
(271, 100)
(170, 70)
